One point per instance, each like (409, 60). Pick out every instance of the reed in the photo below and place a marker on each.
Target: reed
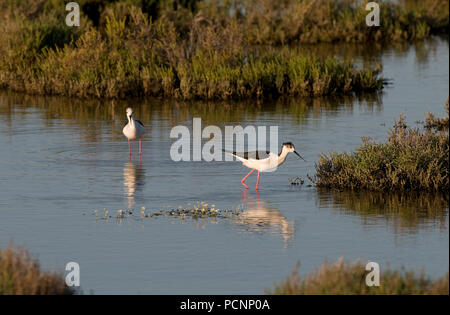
(20, 273)
(342, 277)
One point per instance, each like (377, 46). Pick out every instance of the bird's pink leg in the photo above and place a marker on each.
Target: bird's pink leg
(129, 147)
(257, 181)
(244, 196)
(257, 199)
(243, 180)
(139, 152)
(139, 147)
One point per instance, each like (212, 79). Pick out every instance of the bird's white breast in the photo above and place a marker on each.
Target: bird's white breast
(133, 131)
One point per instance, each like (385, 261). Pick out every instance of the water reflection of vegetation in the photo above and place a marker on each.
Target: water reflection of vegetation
(369, 53)
(404, 211)
(94, 113)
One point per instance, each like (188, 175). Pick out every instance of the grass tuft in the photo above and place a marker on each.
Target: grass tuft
(20, 273)
(342, 277)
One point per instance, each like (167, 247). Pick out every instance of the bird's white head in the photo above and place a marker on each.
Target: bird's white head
(289, 147)
(129, 112)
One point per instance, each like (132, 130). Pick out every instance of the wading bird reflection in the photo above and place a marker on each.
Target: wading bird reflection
(260, 216)
(133, 180)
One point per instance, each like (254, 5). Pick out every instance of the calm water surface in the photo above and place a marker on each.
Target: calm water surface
(61, 159)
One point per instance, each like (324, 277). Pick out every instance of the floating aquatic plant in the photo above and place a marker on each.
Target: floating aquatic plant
(198, 210)
(296, 181)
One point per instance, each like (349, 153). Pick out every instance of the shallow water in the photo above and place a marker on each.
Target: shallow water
(61, 159)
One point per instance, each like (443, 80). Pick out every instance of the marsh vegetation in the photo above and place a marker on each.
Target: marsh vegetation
(343, 277)
(197, 49)
(64, 155)
(21, 273)
(411, 159)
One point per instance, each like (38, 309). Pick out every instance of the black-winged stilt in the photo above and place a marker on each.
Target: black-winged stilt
(264, 161)
(133, 130)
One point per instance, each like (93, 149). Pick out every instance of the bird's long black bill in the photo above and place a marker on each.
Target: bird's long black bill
(299, 156)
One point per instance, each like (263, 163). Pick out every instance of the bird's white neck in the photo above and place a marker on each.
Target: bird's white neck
(282, 156)
(131, 120)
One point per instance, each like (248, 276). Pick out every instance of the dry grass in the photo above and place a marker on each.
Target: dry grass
(349, 278)
(436, 123)
(20, 273)
(411, 159)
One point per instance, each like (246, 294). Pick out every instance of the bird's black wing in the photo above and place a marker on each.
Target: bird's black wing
(257, 155)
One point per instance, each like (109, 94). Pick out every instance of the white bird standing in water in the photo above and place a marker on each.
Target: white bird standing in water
(264, 161)
(133, 130)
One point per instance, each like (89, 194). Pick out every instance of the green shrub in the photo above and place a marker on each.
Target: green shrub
(197, 49)
(411, 159)
(133, 56)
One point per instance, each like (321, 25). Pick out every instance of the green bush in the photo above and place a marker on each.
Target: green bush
(411, 159)
(129, 55)
(197, 49)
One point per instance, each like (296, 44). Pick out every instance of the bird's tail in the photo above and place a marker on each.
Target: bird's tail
(240, 158)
